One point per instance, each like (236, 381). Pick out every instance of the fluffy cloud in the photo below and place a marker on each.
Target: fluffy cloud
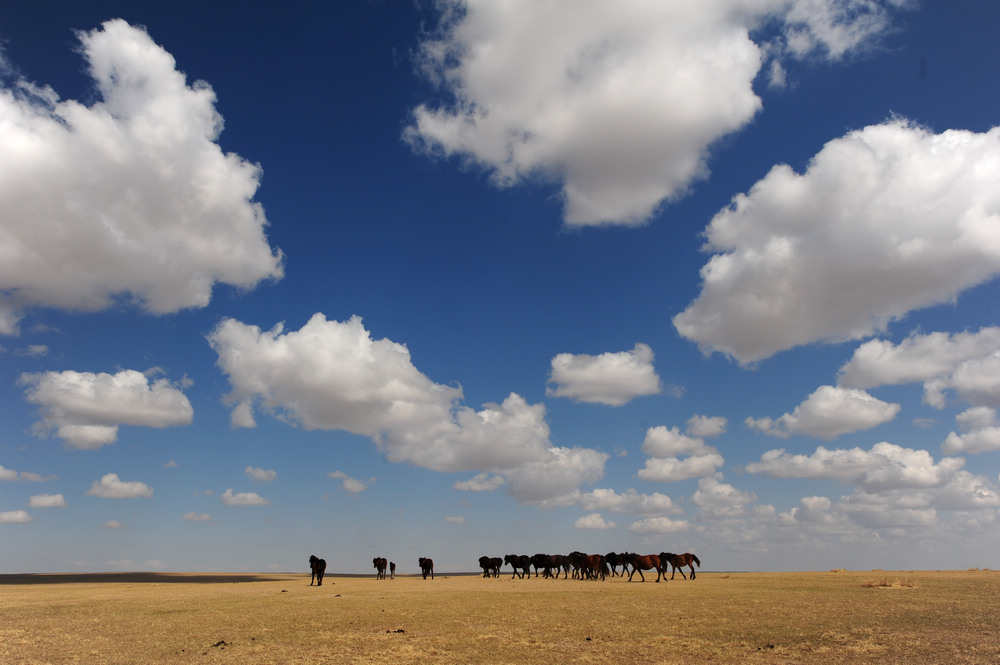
(593, 521)
(481, 482)
(885, 220)
(610, 378)
(967, 363)
(829, 412)
(629, 501)
(719, 500)
(197, 517)
(659, 526)
(112, 487)
(333, 375)
(85, 409)
(885, 467)
(617, 101)
(47, 501)
(352, 485)
(243, 499)
(129, 197)
(15, 517)
(980, 432)
(665, 446)
(706, 426)
(11, 475)
(260, 475)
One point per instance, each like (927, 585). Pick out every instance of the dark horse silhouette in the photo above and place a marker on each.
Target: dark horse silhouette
(318, 567)
(380, 563)
(614, 560)
(678, 561)
(520, 562)
(490, 565)
(641, 563)
(426, 567)
(392, 570)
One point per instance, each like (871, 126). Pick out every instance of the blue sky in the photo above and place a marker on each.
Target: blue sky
(450, 279)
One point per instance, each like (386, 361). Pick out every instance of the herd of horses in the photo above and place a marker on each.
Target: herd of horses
(591, 566)
(583, 566)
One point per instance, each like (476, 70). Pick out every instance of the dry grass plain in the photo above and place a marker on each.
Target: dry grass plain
(820, 617)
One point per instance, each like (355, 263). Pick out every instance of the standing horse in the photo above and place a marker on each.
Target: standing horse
(318, 567)
(380, 564)
(641, 563)
(678, 561)
(490, 565)
(426, 566)
(392, 570)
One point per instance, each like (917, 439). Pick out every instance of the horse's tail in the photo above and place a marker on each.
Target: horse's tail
(695, 559)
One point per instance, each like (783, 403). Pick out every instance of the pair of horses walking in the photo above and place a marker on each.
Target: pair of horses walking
(381, 563)
(659, 563)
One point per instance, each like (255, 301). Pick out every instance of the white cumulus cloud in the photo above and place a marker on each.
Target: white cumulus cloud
(352, 485)
(829, 412)
(659, 526)
(593, 521)
(127, 197)
(967, 363)
(86, 408)
(243, 499)
(666, 446)
(260, 475)
(47, 501)
(15, 517)
(610, 378)
(333, 375)
(885, 467)
(619, 102)
(885, 220)
(980, 432)
(110, 486)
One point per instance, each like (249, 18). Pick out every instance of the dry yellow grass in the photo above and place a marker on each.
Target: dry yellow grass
(823, 617)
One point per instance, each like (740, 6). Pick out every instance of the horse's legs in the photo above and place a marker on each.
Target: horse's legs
(692, 572)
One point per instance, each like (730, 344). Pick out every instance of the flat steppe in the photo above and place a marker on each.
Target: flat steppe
(908, 617)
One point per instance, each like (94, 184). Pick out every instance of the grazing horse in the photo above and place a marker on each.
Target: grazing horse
(392, 570)
(380, 563)
(426, 567)
(678, 561)
(318, 567)
(641, 563)
(490, 565)
(614, 560)
(520, 562)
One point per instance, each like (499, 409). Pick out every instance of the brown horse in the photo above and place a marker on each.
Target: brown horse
(380, 564)
(641, 563)
(318, 567)
(392, 570)
(678, 561)
(591, 566)
(426, 567)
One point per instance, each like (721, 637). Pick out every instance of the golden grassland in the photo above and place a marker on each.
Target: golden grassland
(818, 617)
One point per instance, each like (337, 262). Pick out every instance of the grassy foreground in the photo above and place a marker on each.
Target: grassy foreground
(820, 617)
